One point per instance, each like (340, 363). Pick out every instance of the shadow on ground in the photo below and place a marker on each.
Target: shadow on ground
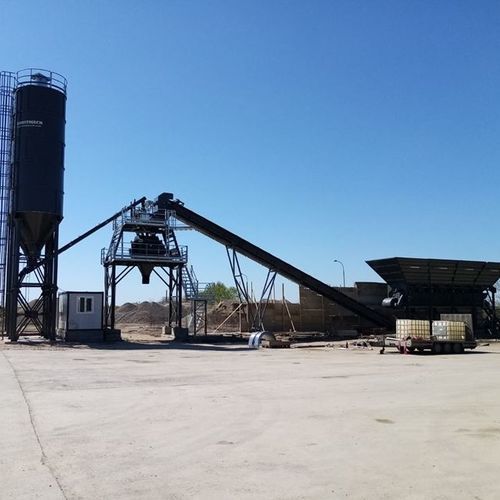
(127, 345)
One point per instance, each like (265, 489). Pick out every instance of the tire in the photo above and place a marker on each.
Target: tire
(447, 348)
(437, 348)
(411, 349)
(458, 348)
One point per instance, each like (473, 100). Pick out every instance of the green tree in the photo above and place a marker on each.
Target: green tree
(215, 292)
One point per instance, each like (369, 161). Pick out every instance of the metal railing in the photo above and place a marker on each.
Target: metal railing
(43, 77)
(150, 252)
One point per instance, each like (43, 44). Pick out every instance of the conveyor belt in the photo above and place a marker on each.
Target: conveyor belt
(268, 260)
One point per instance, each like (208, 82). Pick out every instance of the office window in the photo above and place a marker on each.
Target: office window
(85, 304)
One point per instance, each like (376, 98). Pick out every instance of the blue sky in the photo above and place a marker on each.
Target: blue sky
(318, 130)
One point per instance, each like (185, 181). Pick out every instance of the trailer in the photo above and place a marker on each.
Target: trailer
(440, 336)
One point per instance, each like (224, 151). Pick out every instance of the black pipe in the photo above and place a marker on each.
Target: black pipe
(72, 243)
(99, 226)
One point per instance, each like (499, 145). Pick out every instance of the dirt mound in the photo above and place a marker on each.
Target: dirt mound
(154, 313)
(127, 307)
(143, 313)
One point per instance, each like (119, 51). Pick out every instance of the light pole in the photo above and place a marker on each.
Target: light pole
(343, 271)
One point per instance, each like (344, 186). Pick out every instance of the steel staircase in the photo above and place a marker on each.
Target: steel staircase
(190, 283)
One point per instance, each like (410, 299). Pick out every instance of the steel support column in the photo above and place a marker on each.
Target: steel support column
(255, 317)
(22, 312)
(174, 296)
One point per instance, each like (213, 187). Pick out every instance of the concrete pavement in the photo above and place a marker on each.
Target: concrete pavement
(225, 422)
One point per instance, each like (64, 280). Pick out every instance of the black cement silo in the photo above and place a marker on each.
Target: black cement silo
(38, 168)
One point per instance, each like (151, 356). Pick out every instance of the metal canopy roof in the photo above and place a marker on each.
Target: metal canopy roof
(444, 272)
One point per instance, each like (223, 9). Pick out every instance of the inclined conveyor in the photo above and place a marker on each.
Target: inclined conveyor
(270, 261)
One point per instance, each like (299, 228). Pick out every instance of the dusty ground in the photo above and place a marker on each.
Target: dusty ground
(167, 421)
(137, 333)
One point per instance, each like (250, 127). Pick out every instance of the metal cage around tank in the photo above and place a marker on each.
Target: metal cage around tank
(8, 83)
